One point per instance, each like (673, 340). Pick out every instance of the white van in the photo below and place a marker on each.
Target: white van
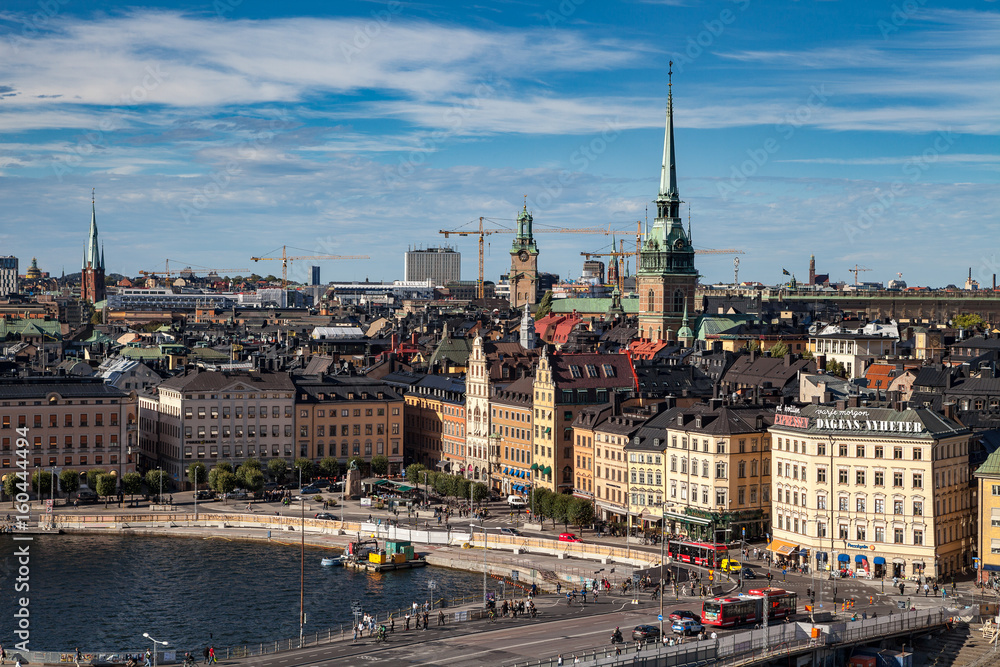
(516, 502)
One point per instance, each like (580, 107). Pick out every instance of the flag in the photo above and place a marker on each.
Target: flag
(785, 272)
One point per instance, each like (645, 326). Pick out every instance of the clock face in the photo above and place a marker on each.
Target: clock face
(523, 255)
(679, 244)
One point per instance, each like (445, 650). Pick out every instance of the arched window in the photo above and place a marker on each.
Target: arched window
(678, 301)
(642, 476)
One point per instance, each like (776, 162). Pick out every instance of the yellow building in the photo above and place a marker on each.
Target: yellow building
(988, 476)
(882, 492)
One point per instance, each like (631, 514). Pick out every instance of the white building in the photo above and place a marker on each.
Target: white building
(439, 265)
(8, 275)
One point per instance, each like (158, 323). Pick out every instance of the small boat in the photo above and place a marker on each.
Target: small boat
(338, 560)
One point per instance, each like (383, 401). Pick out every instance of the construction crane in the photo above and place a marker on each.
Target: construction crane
(857, 269)
(483, 232)
(285, 259)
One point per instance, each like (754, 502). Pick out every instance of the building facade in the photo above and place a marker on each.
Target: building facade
(854, 351)
(77, 423)
(8, 275)
(988, 538)
(214, 416)
(666, 276)
(510, 418)
(880, 491)
(439, 265)
(427, 403)
(347, 418)
(479, 458)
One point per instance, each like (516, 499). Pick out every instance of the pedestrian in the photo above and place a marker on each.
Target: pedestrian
(440, 618)
(954, 587)
(901, 586)
(392, 624)
(406, 621)
(559, 660)
(3, 655)
(205, 654)
(211, 655)
(356, 628)
(77, 656)
(558, 590)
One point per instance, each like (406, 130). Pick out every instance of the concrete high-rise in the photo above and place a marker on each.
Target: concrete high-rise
(8, 275)
(441, 265)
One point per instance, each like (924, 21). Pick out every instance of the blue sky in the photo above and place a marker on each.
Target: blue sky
(861, 132)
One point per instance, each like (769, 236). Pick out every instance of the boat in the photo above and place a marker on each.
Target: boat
(337, 560)
(397, 555)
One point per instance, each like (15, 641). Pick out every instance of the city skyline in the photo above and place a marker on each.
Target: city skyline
(218, 131)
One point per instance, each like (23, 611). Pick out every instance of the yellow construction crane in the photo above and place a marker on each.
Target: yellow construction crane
(285, 259)
(856, 270)
(483, 232)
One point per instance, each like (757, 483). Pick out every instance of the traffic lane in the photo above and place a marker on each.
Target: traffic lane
(507, 640)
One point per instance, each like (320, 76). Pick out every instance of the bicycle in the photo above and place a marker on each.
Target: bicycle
(493, 616)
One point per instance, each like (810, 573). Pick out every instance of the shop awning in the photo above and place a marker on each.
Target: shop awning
(821, 556)
(899, 561)
(843, 558)
(783, 548)
(404, 488)
(534, 466)
(917, 563)
(548, 470)
(380, 482)
(858, 558)
(879, 560)
(686, 518)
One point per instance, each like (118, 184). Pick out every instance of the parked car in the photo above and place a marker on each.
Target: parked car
(569, 537)
(645, 632)
(687, 627)
(205, 495)
(681, 614)
(729, 565)
(321, 483)
(325, 515)
(510, 531)
(310, 490)
(86, 496)
(748, 573)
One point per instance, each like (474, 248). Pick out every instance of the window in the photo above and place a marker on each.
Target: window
(879, 534)
(861, 533)
(918, 508)
(860, 451)
(742, 472)
(720, 470)
(897, 507)
(821, 502)
(821, 475)
(880, 505)
(820, 529)
(917, 454)
(918, 537)
(821, 448)
(843, 450)
(859, 477)
(843, 532)
(843, 503)
(575, 371)
(842, 476)
(897, 479)
(879, 449)
(897, 452)
(918, 480)
(897, 535)
(860, 504)
(879, 478)
(720, 497)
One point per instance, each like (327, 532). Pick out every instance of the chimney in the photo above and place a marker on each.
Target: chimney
(947, 380)
(753, 355)
(394, 342)
(820, 363)
(788, 360)
(841, 405)
(949, 409)
(413, 338)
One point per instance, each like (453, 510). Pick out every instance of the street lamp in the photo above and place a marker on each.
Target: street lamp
(155, 642)
(472, 528)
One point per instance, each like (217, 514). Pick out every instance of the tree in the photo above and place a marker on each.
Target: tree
(306, 466)
(197, 474)
(253, 480)
(544, 500)
(560, 509)
(779, 349)
(252, 462)
(329, 467)
(107, 485)
(414, 472)
(359, 463)
(92, 476)
(480, 492)
(836, 368)
(41, 482)
(225, 482)
(10, 481)
(380, 465)
(544, 306)
(69, 481)
(154, 480)
(580, 512)
(278, 469)
(213, 474)
(271, 278)
(968, 321)
(131, 484)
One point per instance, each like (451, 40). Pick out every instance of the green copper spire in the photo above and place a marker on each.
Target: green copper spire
(668, 171)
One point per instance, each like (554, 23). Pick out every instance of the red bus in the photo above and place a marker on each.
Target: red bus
(728, 612)
(706, 554)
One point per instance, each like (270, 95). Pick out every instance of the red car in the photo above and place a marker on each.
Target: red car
(569, 537)
(681, 614)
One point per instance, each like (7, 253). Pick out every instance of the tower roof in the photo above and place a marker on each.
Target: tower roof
(92, 252)
(668, 170)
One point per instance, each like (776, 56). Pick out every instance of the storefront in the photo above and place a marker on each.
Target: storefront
(879, 571)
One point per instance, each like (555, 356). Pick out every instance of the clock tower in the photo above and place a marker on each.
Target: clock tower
(523, 276)
(666, 276)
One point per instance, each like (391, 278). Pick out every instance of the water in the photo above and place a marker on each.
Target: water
(102, 592)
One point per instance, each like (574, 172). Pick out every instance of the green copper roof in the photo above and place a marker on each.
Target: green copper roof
(991, 466)
(589, 306)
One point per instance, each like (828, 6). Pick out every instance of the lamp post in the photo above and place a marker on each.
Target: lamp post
(155, 642)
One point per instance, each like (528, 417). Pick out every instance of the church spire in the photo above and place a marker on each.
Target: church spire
(92, 252)
(668, 172)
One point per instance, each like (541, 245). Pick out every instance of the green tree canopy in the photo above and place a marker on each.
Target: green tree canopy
(380, 465)
(480, 492)
(544, 306)
(10, 481)
(278, 468)
(414, 472)
(131, 484)
(225, 482)
(968, 321)
(560, 508)
(252, 462)
(197, 473)
(69, 481)
(92, 476)
(329, 467)
(154, 478)
(580, 512)
(779, 349)
(41, 483)
(306, 466)
(107, 485)
(253, 480)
